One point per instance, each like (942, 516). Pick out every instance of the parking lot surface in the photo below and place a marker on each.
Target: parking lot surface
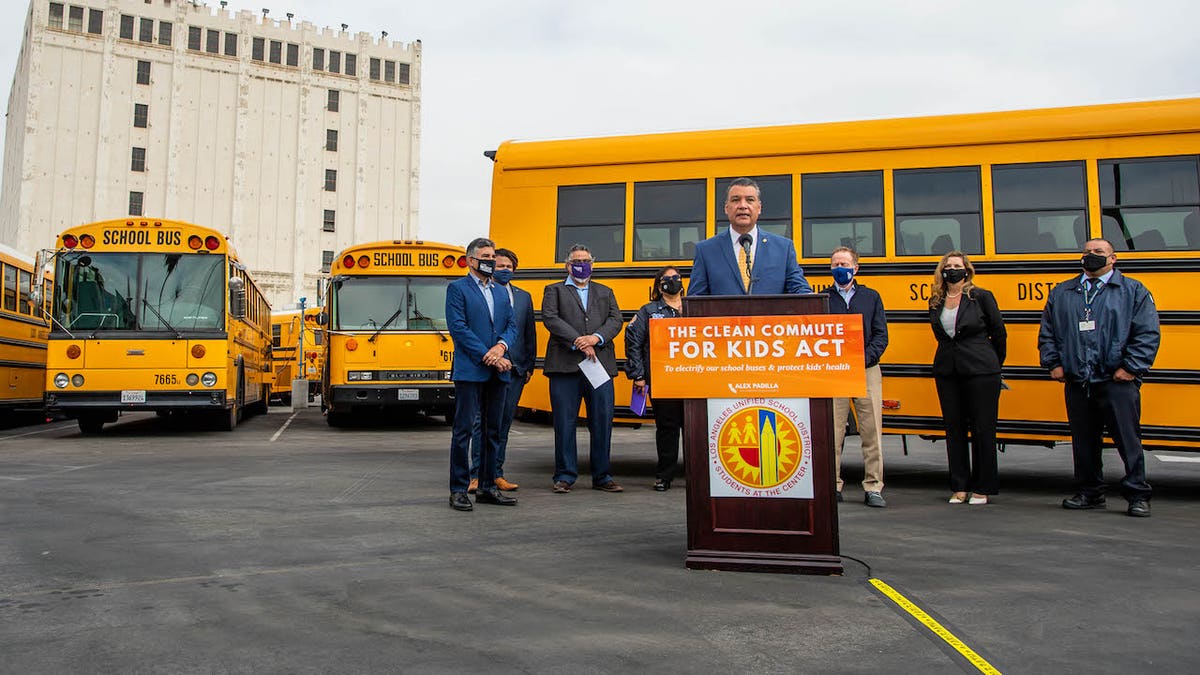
(288, 546)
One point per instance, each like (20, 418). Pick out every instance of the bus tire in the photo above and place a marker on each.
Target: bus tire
(90, 424)
(227, 418)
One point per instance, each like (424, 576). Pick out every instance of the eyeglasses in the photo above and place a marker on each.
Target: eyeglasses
(673, 277)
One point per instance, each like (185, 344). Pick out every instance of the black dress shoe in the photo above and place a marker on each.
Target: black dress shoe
(493, 495)
(1082, 501)
(661, 485)
(1139, 508)
(459, 501)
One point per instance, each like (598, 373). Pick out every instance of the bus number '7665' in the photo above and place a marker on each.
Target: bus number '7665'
(161, 378)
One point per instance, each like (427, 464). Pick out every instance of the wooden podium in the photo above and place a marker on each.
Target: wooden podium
(749, 534)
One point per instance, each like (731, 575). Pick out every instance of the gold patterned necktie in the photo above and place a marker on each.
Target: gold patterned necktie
(744, 263)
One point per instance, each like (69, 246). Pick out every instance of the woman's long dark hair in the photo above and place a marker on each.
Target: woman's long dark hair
(655, 291)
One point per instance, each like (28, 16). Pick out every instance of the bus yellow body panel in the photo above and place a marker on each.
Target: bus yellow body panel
(642, 201)
(23, 332)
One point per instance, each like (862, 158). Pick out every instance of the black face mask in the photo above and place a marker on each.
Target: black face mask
(487, 267)
(671, 286)
(954, 276)
(1092, 262)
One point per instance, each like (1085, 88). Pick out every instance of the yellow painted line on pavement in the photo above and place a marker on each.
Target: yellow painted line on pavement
(938, 629)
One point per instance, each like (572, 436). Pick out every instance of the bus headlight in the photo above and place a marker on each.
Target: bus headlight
(61, 380)
(77, 380)
(192, 379)
(208, 379)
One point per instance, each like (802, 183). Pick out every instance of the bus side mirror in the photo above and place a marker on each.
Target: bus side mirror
(35, 298)
(237, 298)
(322, 318)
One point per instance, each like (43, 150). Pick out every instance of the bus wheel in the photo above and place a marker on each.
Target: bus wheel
(90, 424)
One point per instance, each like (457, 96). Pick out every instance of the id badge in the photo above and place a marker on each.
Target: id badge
(1087, 325)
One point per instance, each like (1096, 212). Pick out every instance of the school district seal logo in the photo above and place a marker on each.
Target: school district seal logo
(760, 448)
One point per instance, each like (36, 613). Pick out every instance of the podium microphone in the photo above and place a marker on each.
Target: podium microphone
(744, 241)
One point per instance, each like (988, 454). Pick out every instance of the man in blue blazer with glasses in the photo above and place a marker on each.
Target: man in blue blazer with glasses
(480, 318)
(745, 260)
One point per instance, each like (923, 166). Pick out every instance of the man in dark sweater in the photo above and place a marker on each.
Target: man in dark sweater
(849, 297)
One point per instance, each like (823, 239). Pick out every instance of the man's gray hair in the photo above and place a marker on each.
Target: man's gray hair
(478, 243)
(743, 181)
(579, 247)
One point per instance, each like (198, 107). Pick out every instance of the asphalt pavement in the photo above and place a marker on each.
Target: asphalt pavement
(288, 546)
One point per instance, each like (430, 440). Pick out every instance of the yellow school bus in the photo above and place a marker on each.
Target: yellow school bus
(387, 345)
(23, 331)
(154, 315)
(292, 358)
(1020, 192)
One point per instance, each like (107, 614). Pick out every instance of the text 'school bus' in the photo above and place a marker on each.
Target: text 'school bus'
(23, 329)
(155, 315)
(1020, 192)
(387, 345)
(292, 358)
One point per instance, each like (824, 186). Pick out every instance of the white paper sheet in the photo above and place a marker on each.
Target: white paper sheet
(595, 372)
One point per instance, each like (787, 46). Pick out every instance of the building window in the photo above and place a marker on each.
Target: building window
(335, 61)
(143, 72)
(293, 54)
(352, 65)
(1040, 208)
(56, 15)
(841, 209)
(165, 30)
(937, 211)
(318, 59)
(331, 139)
(195, 33)
(389, 71)
(138, 160)
(126, 27)
(330, 218)
(276, 52)
(75, 19)
(257, 47)
(212, 41)
(145, 30)
(231, 44)
(135, 203)
(326, 261)
(402, 73)
(593, 215)
(668, 219)
(95, 21)
(373, 69)
(330, 180)
(1150, 204)
(332, 103)
(141, 112)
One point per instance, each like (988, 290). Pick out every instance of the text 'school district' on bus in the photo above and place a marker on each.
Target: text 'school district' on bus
(387, 345)
(1020, 192)
(155, 315)
(23, 329)
(292, 358)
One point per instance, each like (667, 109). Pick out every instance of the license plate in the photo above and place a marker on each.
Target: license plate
(409, 394)
(133, 396)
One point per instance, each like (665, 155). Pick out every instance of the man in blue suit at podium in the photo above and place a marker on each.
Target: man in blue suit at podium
(744, 260)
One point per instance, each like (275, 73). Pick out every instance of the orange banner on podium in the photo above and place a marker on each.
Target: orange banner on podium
(809, 356)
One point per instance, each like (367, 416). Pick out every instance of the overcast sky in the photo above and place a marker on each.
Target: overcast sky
(534, 69)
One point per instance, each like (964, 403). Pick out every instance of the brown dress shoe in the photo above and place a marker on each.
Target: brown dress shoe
(562, 487)
(610, 486)
(506, 485)
(474, 485)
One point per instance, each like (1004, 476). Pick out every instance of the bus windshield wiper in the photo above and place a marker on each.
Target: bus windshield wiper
(173, 329)
(416, 313)
(399, 308)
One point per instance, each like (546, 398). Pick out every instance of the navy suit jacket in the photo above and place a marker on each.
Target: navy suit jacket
(523, 349)
(474, 331)
(774, 270)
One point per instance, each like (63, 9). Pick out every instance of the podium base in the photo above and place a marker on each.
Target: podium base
(752, 561)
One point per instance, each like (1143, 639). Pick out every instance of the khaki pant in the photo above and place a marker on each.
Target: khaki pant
(869, 411)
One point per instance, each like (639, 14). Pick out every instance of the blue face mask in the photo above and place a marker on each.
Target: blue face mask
(843, 275)
(503, 276)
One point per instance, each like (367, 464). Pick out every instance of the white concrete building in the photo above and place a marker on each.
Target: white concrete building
(294, 140)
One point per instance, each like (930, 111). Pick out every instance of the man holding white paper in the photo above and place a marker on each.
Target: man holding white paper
(582, 318)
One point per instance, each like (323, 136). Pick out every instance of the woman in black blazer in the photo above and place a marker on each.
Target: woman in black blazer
(971, 344)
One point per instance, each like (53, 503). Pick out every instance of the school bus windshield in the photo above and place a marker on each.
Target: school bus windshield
(366, 303)
(140, 292)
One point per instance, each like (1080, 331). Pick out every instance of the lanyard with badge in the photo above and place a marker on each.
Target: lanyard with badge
(1088, 323)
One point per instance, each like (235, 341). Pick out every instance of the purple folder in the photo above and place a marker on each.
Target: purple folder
(637, 400)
